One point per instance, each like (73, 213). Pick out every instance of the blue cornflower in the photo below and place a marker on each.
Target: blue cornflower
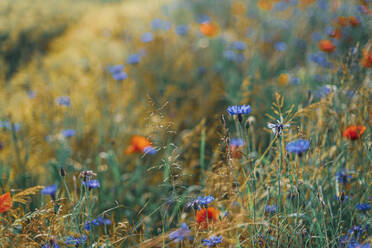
(64, 101)
(203, 19)
(103, 221)
(229, 55)
(133, 59)
(363, 207)
(88, 225)
(280, 46)
(205, 200)
(298, 146)
(180, 234)
(320, 58)
(342, 176)
(76, 241)
(156, 23)
(116, 68)
(239, 110)
(359, 245)
(278, 127)
(193, 203)
(212, 241)
(281, 6)
(323, 4)
(67, 133)
(92, 184)
(7, 125)
(117, 72)
(50, 190)
(201, 70)
(120, 76)
(149, 150)
(237, 142)
(328, 89)
(31, 94)
(346, 240)
(147, 37)
(96, 222)
(325, 90)
(270, 209)
(182, 29)
(357, 232)
(238, 45)
(316, 36)
(350, 94)
(294, 81)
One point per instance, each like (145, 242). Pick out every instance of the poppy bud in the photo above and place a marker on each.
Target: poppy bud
(247, 124)
(62, 172)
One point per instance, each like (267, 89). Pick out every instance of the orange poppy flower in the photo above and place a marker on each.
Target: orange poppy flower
(367, 59)
(342, 21)
(5, 202)
(283, 79)
(238, 8)
(205, 216)
(265, 4)
(354, 132)
(209, 29)
(337, 34)
(138, 144)
(305, 3)
(354, 22)
(326, 46)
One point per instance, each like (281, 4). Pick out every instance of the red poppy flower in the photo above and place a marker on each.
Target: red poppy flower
(205, 216)
(354, 132)
(5, 202)
(354, 22)
(326, 46)
(208, 29)
(367, 59)
(138, 144)
(342, 20)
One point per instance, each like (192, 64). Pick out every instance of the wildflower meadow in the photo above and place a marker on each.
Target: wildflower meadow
(185, 123)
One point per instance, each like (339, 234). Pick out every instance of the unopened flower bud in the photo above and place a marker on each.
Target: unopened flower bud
(62, 172)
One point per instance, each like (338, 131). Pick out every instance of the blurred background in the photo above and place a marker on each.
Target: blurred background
(180, 64)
